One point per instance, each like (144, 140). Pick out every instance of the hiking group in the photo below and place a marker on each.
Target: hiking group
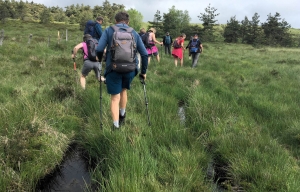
(126, 53)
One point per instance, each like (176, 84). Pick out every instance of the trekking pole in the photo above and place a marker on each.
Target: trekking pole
(75, 72)
(74, 64)
(100, 73)
(146, 101)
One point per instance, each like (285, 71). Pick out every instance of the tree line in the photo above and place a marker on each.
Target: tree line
(275, 31)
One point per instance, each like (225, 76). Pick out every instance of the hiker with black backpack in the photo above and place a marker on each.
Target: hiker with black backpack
(195, 49)
(178, 49)
(94, 28)
(149, 41)
(167, 41)
(121, 63)
(90, 60)
(98, 28)
(141, 34)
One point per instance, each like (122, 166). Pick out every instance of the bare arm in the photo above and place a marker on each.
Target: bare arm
(154, 39)
(182, 44)
(79, 46)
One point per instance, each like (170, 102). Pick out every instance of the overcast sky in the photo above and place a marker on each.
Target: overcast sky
(288, 9)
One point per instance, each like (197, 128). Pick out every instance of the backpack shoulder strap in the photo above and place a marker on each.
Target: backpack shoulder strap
(116, 28)
(129, 29)
(84, 48)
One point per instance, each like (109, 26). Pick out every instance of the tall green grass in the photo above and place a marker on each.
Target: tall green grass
(241, 126)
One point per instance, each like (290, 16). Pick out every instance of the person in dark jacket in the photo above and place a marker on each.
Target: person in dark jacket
(141, 33)
(195, 48)
(98, 28)
(167, 42)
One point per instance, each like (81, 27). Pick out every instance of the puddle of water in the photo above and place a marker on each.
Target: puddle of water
(218, 175)
(211, 175)
(181, 112)
(71, 175)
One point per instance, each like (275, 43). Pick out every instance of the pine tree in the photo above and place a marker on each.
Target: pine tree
(277, 31)
(244, 29)
(231, 31)
(4, 12)
(208, 22)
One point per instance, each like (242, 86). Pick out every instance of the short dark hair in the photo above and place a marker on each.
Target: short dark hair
(99, 18)
(86, 37)
(122, 16)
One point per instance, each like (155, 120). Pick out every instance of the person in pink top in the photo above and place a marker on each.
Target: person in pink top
(88, 65)
(177, 52)
(153, 51)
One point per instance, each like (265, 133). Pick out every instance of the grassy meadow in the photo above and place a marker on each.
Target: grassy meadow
(241, 130)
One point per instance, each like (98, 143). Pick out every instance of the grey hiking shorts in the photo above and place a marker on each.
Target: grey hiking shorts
(91, 65)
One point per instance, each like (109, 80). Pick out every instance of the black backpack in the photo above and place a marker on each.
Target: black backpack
(176, 44)
(90, 28)
(91, 45)
(145, 39)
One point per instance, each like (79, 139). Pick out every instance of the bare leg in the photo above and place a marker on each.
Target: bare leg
(82, 81)
(149, 58)
(181, 62)
(114, 106)
(123, 99)
(157, 57)
(175, 61)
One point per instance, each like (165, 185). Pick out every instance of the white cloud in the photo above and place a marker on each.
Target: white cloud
(288, 9)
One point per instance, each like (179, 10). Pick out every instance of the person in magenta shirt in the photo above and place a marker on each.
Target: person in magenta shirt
(88, 65)
(153, 51)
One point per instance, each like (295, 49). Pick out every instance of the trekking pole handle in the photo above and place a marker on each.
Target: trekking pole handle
(142, 79)
(74, 63)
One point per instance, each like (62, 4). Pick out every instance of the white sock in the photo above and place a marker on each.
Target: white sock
(116, 124)
(122, 112)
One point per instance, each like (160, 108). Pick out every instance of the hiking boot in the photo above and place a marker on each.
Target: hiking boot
(122, 119)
